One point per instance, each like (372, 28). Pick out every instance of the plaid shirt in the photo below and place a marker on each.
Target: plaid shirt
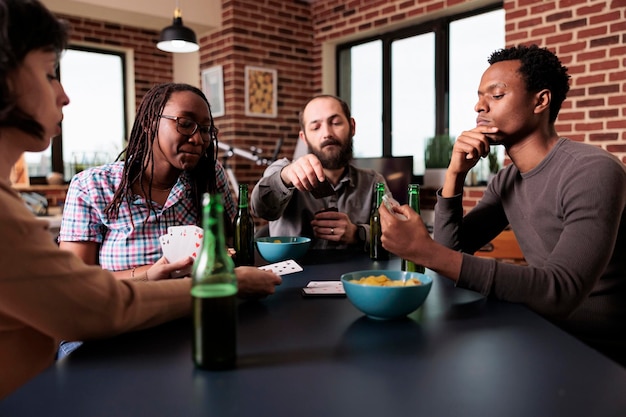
(122, 245)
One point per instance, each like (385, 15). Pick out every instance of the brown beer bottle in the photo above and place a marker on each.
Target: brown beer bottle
(377, 252)
(243, 225)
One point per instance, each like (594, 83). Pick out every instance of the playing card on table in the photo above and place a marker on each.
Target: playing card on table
(283, 268)
(324, 288)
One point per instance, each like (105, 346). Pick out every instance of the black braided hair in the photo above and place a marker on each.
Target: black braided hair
(139, 155)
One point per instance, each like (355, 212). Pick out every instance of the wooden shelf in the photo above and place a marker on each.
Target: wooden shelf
(40, 188)
(505, 248)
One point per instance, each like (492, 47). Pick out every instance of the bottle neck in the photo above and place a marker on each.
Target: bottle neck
(243, 197)
(379, 192)
(414, 198)
(213, 266)
(379, 197)
(213, 225)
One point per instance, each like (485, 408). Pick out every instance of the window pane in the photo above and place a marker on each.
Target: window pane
(93, 124)
(366, 100)
(472, 40)
(412, 96)
(39, 163)
(94, 121)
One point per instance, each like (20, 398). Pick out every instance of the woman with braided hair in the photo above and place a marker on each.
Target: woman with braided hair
(115, 213)
(139, 168)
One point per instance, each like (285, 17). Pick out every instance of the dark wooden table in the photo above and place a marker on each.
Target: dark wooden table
(458, 355)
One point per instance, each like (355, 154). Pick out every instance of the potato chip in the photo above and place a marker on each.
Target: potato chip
(384, 281)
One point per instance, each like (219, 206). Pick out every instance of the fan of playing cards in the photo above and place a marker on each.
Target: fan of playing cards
(181, 242)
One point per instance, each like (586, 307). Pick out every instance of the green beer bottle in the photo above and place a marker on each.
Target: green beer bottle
(377, 252)
(214, 293)
(243, 225)
(413, 198)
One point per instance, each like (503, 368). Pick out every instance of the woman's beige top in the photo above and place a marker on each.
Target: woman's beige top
(48, 295)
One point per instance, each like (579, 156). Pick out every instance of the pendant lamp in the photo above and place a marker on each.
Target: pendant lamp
(177, 37)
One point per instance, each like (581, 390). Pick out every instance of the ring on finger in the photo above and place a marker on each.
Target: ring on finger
(332, 230)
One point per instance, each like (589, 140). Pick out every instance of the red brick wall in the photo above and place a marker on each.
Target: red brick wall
(264, 33)
(287, 35)
(152, 66)
(589, 37)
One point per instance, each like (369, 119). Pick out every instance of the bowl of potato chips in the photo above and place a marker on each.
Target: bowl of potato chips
(282, 248)
(386, 294)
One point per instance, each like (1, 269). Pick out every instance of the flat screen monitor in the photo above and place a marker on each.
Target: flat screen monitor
(397, 170)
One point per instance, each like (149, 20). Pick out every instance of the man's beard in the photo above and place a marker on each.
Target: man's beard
(334, 160)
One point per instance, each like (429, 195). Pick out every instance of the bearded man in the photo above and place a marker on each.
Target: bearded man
(321, 195)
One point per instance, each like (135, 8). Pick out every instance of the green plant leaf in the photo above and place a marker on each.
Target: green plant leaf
(438, 151)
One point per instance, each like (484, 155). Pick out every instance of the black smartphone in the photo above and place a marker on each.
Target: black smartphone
(334, 209)
(324, 189)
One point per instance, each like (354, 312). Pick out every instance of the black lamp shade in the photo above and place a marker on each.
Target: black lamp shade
(177, 38)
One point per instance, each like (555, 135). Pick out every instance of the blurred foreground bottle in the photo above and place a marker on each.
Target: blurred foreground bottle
(377, 252)
(243, 226)
(214, 293)
(413, 198)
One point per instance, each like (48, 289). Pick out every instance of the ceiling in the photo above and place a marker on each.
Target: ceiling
(200, 15)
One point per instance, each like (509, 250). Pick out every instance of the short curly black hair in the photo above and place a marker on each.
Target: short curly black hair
(541, 69)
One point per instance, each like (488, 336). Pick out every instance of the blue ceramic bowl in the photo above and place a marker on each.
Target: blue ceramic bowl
(386, 303)
(281, 248)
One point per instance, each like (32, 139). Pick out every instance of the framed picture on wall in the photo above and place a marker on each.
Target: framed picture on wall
(261, 92)
(213, 88)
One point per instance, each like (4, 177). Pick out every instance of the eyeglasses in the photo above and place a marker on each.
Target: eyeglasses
(188, 127)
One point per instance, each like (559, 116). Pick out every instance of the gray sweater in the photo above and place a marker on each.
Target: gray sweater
(290, 211)
(568, 215)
